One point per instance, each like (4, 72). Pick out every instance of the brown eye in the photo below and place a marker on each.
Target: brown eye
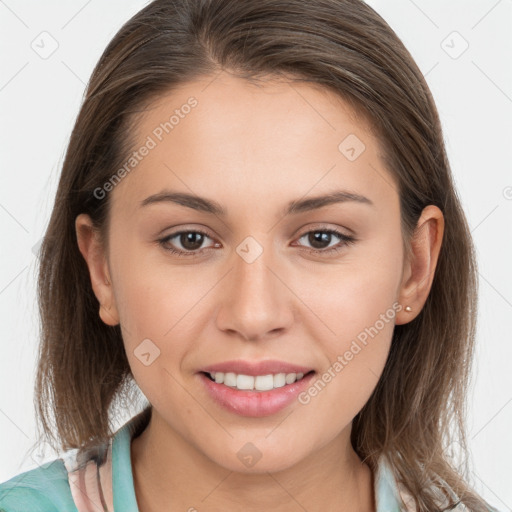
(189, 242)
(320, 239)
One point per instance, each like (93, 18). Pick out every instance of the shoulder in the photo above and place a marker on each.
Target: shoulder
(43, 489)
(391, 495)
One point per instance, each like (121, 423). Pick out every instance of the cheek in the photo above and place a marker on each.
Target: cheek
(355, 309)
(354, 360)
(351, 295)
(155, 300)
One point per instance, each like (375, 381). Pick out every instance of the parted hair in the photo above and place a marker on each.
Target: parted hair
(418, 408)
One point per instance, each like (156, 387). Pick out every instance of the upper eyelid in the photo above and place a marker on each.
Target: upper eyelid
(315, 227)
(334, 231)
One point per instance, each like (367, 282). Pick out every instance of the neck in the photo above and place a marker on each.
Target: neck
(171, 474)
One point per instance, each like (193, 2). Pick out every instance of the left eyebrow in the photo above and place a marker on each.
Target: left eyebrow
(294, 207)
(338, 196)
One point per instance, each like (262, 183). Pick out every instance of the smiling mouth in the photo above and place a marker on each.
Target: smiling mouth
(256, 383)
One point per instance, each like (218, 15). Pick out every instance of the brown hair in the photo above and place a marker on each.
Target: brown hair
(342, 45)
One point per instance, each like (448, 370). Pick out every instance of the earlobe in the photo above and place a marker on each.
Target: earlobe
(425, 248)
(92, 250)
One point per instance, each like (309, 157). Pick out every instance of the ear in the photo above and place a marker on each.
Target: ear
(93, 252)
(419, 270)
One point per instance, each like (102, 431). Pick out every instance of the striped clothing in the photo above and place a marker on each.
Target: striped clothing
(101, 480)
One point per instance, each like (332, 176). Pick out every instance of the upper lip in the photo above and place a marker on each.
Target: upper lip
(255, 368)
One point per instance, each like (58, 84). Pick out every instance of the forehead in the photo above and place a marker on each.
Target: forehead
(225, 136)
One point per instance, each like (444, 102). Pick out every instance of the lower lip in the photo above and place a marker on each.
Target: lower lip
(255, 404)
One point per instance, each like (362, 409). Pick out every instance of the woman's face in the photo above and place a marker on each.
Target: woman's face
(252, 288)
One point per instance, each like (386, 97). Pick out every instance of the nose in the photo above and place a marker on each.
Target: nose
(256, 303)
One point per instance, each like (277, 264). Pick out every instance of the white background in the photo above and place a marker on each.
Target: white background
(40, 98)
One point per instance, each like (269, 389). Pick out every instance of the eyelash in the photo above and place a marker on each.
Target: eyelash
(346, 240)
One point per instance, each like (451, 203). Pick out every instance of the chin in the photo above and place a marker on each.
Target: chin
(247, 458)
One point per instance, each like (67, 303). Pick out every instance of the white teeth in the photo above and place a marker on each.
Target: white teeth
(244, 382)
(258, 383)
(230, 379)
(279, 380)
(290, 378)
(264, 382)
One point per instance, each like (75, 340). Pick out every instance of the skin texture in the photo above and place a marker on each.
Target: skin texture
(253, 149)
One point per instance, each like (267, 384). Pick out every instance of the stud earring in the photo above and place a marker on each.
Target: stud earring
(408, 309)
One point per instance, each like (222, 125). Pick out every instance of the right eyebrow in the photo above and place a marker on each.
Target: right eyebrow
(188, 200)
